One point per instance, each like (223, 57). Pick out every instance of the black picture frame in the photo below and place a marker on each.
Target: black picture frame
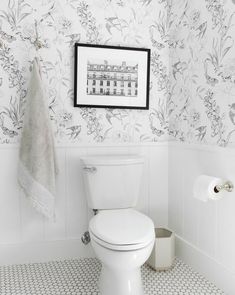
(134, 90)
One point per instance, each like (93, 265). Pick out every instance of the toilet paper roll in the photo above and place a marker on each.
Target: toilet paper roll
(204, 188)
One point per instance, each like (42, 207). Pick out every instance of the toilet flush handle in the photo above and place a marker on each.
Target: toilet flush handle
(90, 169)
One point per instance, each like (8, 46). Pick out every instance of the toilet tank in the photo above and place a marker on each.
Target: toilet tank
(112, 182)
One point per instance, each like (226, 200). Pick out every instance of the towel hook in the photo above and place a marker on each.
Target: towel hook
(37, 42)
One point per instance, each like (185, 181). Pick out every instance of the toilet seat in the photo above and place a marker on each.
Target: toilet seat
(122, 229)
(130, 247)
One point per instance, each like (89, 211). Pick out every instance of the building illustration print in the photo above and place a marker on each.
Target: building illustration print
(113, 77)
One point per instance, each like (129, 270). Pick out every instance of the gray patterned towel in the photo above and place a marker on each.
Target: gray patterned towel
(37, 163)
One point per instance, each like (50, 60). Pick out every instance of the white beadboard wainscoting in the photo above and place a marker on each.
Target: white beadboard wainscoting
(205, 230)
(26, 236)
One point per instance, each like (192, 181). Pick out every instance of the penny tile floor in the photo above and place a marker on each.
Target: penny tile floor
(80, 276)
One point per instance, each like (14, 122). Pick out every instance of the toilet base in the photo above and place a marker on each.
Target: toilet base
(122, 282)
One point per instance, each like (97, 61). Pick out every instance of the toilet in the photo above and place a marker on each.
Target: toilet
(122, 237)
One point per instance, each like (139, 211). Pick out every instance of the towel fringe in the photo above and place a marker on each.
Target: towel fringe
(40, 198)
(41, 209)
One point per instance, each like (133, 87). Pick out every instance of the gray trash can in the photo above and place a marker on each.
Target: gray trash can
(163, 253)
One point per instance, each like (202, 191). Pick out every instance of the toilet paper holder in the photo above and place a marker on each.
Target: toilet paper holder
(227, 186)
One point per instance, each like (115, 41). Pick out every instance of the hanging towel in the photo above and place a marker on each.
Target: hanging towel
(37, 163)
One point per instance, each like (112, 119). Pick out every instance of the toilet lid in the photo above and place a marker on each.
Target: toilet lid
(122, 227)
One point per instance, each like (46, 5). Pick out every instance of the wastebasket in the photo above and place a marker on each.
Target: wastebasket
(163, 253)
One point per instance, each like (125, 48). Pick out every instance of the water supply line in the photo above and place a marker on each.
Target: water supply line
(86, 236)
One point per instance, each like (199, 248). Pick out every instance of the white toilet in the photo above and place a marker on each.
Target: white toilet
(122, 237)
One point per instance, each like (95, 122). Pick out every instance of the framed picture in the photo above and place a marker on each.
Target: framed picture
(111, 77)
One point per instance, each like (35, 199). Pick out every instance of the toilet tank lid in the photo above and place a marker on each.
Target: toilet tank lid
(112, 160)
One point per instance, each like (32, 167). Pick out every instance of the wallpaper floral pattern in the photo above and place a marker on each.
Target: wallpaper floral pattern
(192, 83)
(202, 71)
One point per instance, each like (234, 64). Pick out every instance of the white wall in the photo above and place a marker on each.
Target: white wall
(26, 236)
(206, 231)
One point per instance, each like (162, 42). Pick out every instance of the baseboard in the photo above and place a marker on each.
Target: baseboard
(207, 266)
(43, 251)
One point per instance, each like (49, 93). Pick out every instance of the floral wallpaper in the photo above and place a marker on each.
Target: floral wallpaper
(192, 82)
(202, 71)
(48, 29)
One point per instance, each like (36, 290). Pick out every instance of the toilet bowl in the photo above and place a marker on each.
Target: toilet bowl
(122, 237)
(123, 240)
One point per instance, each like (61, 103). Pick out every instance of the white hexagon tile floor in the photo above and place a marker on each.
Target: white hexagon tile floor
(72, 277)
